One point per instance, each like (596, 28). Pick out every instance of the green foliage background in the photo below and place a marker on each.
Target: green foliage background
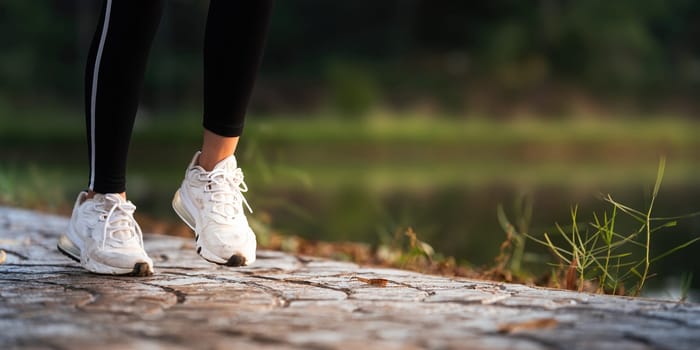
(372, 116)
(548, 57)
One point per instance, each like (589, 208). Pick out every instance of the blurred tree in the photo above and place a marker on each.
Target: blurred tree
(460, 55)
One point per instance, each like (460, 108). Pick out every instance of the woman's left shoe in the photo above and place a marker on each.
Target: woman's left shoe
(211, 203)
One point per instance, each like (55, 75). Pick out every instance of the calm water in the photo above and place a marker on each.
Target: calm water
(461, 220)
(449, 197)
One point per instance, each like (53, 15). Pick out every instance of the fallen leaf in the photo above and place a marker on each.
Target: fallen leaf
(541, 323)
(495, 299)
(377, 282)
(571, 276)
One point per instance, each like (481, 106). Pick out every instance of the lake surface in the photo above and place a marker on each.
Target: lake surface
(448, 191)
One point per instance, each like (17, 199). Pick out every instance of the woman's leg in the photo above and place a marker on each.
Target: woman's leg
(233, 47)
(210, 199)
(103, 236)
(113, 81)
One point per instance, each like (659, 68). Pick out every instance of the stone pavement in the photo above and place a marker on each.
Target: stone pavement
(285, 301)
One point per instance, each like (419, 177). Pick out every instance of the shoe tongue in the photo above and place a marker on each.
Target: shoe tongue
(228, 163)
(123, 234)
(229, 210)
(108, 201)
(111, 199)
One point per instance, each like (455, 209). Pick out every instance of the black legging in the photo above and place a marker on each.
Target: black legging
(233, 45)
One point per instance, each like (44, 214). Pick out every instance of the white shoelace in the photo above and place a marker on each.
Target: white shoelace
(227, 190)
(119, 219)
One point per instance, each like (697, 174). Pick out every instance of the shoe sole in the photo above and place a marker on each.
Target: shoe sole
(65, 246)
(236, 260)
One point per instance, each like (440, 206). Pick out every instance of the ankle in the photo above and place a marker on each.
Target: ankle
(91, 194)
(208, 161)
(216, 148)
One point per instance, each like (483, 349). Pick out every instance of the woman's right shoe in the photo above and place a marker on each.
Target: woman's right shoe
(105, 238)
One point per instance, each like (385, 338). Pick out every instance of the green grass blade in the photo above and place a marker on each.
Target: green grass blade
(679, 217)
(638, 215)
(555, 250)
(673, 250)
(664, 225)
(566, 237)
(657, 184)
(544, 243)
(503, 220)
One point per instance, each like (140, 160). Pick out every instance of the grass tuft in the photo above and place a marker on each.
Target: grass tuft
(600, 255)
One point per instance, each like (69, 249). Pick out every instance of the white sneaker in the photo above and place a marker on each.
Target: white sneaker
(104, 237)
(211, 203)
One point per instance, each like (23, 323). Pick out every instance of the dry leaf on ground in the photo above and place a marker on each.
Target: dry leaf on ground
(541, 323)
(377, 282)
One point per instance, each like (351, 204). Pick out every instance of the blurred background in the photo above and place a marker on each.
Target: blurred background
(371, 117)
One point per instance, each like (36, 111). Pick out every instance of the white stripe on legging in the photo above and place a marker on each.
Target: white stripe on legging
(93, 98)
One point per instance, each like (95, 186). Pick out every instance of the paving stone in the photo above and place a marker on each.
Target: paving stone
(285, 301)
